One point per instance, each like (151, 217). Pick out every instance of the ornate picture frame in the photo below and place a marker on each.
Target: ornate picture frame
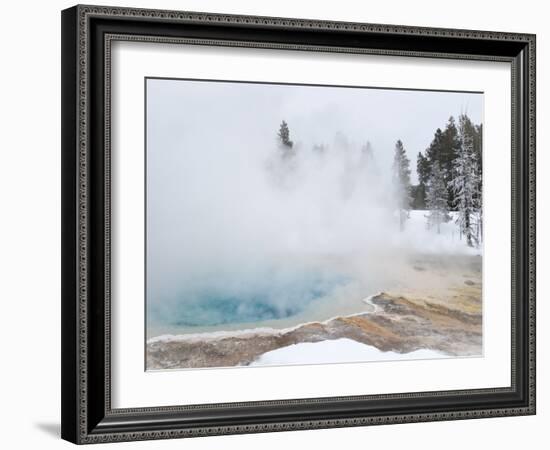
(88, 415)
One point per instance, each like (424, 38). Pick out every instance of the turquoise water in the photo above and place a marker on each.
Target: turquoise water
(243, 304)
(217, 309)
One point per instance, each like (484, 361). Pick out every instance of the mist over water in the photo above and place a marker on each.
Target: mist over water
(238, 234)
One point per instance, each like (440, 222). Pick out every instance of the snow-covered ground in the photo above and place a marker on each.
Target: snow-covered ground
(417, 236)
(336, 351)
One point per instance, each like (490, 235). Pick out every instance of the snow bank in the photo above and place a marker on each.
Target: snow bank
(336, 351)
(416, 236)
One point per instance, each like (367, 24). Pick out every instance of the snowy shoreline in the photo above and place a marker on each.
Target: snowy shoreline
(337, 351)
(398, 327)
(255, 332)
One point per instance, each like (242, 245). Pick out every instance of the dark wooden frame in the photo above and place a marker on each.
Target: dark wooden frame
(87, 32)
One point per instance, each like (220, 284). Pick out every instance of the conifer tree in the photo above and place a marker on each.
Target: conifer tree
(450, 146)
(444, 148)
(437, 198)
(366, 152)
(285, 143)
(465, 185)
(402, 183)
(476, 134)
(366, 159)
(418, 196)
(423, 170)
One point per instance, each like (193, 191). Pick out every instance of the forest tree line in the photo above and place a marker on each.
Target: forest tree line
(449, 176)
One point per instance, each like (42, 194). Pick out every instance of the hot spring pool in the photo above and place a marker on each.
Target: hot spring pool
(277, 302)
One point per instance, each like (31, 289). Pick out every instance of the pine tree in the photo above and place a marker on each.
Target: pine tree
(433, 153)
(402, 182)
(476, 134)
(423, 169)
(443, 149)
(366, 152)
(285, 143)
(478, 147)
(366, 159)
(450, 146)
(437, 198)
(465, 184)
(418, 196)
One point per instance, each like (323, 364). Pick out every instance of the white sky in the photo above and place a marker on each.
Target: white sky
(250, 112)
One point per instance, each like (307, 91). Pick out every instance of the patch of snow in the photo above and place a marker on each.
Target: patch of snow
(417, 236)
(336, 351)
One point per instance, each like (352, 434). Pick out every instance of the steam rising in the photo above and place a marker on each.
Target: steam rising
(237, 232)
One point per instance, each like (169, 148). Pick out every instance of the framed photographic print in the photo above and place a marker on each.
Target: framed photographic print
(277, 224)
